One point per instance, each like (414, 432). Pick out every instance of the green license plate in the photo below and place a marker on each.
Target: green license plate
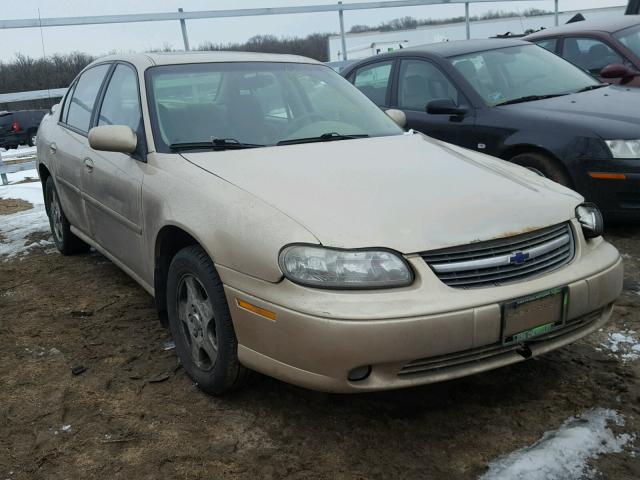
(529, 317)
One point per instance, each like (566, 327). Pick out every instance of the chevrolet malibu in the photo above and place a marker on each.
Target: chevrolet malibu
(286, 225)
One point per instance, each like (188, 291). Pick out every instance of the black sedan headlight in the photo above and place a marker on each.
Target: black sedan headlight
(590, 219)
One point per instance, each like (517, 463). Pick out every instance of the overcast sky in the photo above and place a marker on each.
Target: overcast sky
(100, 39)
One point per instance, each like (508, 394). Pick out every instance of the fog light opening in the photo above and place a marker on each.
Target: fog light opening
(359, 373)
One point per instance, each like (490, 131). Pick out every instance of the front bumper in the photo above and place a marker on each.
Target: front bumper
(618, 198)
(417, 335)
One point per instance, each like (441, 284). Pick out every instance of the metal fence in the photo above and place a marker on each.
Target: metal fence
(183, 16)
(19, 164)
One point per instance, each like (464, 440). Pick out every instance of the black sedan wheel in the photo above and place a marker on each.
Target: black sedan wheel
(545, 166)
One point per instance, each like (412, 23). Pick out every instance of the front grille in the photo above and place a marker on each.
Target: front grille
(468, 357)
(505, 260)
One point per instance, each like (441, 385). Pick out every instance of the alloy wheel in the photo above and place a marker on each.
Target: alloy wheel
(56, 216)
(195, 313)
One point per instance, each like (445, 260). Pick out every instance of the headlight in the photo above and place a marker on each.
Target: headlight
(624, 148)
(590, 219)
(356, 269)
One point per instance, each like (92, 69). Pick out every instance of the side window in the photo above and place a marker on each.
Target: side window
(550, 44)
(589, 54)
(421, 82)
(67, 102)
(84, 97)
(373, 81)
(121, 104)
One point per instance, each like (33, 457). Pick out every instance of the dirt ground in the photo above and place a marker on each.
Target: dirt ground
(134, 413)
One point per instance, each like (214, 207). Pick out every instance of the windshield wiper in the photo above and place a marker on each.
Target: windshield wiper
(325, 137)
(529, 98)
(214, 144)
(592, 87)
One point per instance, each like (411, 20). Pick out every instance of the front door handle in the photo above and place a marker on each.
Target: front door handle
(88, 164)
(53, 147)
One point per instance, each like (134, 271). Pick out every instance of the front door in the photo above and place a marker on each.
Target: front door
(420, 82)
(113, 181)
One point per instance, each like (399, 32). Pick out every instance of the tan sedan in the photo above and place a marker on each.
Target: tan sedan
(284, 224)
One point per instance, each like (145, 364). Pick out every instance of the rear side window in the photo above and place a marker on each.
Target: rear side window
(589, 54)
(121, 104)
(373, 81)
(550, 44)
(84, 97)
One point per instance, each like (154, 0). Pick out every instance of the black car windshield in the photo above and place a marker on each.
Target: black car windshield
(630, 38)
(257, 104)
(524, 72)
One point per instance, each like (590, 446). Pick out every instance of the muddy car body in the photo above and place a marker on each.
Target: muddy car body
(284, 224)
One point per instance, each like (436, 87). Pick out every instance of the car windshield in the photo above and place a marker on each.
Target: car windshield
(252, 104)
(520, 73)
(630, 38)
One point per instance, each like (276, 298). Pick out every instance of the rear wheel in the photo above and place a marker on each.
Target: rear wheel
(66, 242)
(543, 165)
(200, 323)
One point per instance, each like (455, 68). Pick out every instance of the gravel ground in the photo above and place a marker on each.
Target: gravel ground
(132, 412)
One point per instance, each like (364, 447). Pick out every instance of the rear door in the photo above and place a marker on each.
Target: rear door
(374, 80)
(68, 144)
(112, 181)
(419, 82)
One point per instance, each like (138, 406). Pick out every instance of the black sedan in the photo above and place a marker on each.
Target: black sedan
(517, 101)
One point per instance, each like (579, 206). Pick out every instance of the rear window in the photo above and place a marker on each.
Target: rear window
(84, 97)
(6, 118)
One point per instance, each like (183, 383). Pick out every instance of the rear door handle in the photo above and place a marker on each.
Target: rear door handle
(53, 147)
(88, 163)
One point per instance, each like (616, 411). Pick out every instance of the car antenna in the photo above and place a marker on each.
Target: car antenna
(44, 56)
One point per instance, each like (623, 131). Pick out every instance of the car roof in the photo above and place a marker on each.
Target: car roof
(608, 26)
(144, 60)
(451, 49)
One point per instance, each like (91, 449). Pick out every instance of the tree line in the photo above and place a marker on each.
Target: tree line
(25, 73)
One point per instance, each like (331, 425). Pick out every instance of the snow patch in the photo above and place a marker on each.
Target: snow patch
(16, 177)
(15, 228)
(20, 152)
(624, 345)
(563, 454)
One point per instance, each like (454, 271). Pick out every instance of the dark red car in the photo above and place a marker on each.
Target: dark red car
(608, 49)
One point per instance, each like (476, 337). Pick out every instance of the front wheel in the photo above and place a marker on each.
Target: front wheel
(66, 242)
(200, 323)
(544, 166)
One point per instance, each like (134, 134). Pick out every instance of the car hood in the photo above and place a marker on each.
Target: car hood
(608, 112)
(409, 192)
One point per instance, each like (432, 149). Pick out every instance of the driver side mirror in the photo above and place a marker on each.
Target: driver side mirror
(617, 70)
(445, 106)
(113, 138)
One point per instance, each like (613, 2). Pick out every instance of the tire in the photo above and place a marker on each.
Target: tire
(31, 138)
(545, 166)
(66, 242)
(200, 323)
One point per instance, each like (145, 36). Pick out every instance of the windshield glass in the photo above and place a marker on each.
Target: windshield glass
(630, 38)
(258, 103)
(512, 73)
